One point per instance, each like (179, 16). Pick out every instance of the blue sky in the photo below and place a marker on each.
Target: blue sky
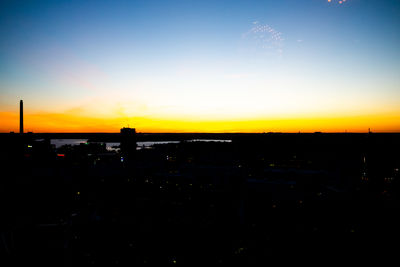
(201, 59)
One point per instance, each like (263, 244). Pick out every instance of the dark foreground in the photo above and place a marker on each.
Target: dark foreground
(260, 198)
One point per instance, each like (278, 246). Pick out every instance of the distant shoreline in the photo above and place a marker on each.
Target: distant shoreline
(115, 137)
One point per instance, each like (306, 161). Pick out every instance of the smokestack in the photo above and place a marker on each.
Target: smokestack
(21, 117)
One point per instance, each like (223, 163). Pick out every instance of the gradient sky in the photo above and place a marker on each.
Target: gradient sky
(200, 66)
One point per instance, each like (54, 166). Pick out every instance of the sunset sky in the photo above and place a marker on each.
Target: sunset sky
(201, 66)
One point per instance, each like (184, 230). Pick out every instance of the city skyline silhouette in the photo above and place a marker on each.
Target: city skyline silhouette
(179, 132)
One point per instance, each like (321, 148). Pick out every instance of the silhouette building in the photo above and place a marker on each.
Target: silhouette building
(128, 143)
(21, 117)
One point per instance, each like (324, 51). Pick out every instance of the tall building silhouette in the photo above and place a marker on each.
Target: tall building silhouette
(128, 143)
(21, 117)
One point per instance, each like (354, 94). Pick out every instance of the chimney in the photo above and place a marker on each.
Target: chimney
(21, 117)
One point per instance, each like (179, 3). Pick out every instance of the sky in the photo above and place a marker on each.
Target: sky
(200, 66)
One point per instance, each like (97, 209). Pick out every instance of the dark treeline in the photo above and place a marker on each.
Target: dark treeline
(259, 198)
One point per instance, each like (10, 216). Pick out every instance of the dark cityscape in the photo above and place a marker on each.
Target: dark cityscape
(198, 198)
(199, 133)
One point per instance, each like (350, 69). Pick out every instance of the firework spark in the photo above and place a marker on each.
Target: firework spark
(337, 1)
(266, 37)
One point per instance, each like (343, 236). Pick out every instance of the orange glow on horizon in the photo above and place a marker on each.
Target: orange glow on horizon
(58, 122)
